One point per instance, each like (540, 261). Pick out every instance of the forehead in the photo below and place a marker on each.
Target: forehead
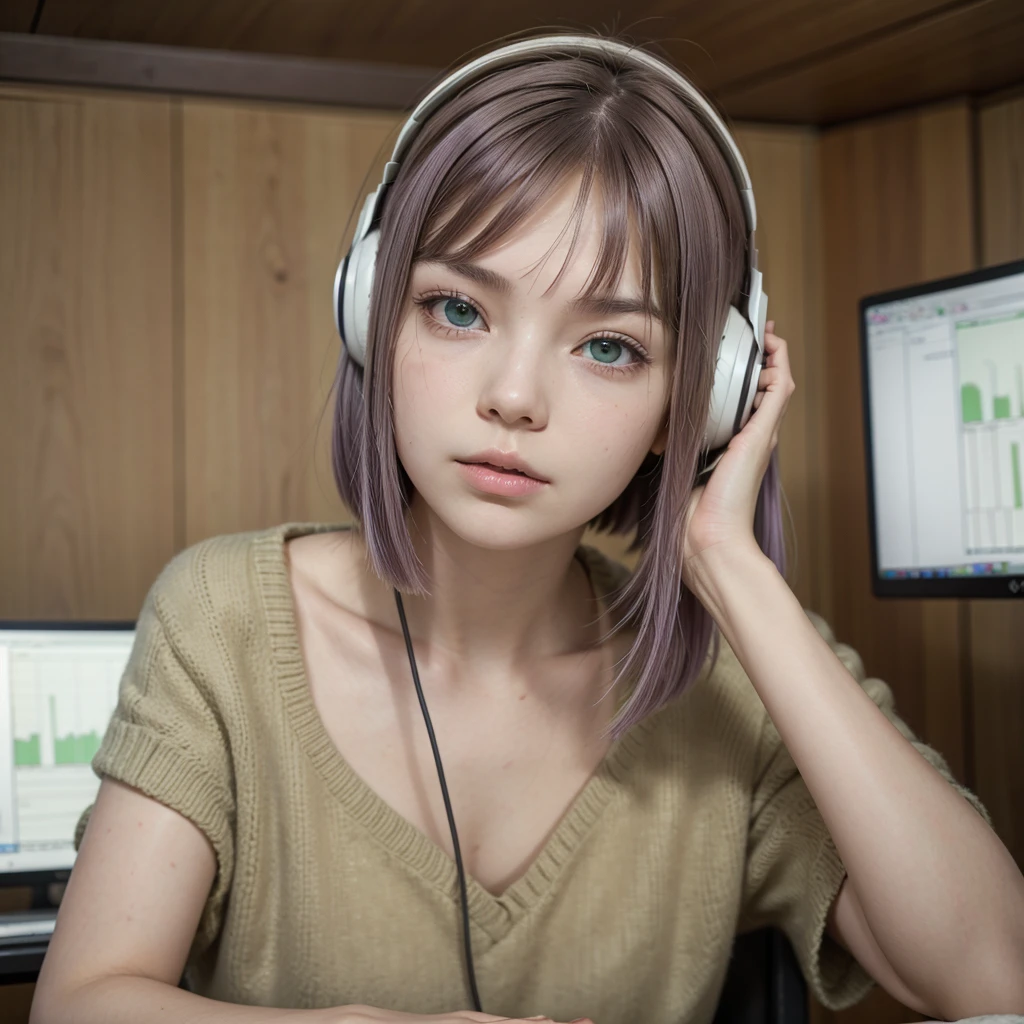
(574, 237)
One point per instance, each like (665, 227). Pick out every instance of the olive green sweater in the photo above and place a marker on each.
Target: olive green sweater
(695, 827)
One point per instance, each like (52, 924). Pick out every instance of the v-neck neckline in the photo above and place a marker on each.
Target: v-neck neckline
(496, 914)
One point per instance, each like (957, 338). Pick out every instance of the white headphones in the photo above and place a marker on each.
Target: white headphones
(741, 350)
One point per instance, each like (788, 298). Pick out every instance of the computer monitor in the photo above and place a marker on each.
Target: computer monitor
(58, 690)
(943, 373)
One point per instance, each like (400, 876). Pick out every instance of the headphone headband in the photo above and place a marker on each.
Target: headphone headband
(521, 52)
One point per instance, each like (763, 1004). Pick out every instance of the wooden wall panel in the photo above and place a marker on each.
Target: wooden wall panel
(997, 627)
(783, 167)
(897, 207)
(267, 197)
(86, 516)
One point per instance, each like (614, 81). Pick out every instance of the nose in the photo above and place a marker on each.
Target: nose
(513, 389)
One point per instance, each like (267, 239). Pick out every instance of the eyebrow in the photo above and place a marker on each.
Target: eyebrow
(598, 305)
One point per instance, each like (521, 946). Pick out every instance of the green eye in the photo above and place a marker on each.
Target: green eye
(459, 312)
(605, 350)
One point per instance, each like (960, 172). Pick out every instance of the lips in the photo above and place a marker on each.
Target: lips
(507, 462)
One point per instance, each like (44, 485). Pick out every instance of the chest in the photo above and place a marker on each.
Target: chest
(513, 764)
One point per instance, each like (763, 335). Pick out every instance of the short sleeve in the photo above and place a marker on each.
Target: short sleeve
(793, 870)
(166, 738)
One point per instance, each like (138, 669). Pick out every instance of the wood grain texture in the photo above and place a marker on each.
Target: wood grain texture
(86, 445)
(796, 61)
(267, 194)
(882, 188)
(1001, 163)
(782, 164)
(16, 1002)
(973, 48)
(724, 42)
(16, 15)
(184, 71)
(897, 207)
(997, 627)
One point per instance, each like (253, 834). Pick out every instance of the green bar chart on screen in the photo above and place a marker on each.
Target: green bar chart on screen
(970, 403)
(72, 748)
(1015, 450)
(26, 752)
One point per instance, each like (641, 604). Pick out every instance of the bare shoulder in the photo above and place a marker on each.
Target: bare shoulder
(330, 565)
(339, 602)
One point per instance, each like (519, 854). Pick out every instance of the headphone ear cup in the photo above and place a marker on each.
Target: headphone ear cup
(352, 287)
(732, 397)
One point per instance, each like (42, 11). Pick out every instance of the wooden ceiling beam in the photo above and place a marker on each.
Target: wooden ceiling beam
(54, 60)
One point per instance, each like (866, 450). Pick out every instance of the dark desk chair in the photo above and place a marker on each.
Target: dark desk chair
(764, 984)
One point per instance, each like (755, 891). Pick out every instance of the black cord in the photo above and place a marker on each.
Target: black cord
(35, 17)
(447, 806)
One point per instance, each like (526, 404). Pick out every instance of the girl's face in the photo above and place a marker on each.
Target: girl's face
(487, 358)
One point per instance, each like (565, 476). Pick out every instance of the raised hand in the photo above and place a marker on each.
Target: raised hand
(721, 510)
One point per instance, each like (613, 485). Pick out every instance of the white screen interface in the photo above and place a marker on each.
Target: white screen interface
(946, 400)
(58, 689)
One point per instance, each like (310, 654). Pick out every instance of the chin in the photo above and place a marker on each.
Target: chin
(496, 525)
(499, 524)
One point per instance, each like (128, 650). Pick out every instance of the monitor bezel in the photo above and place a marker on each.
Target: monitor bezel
(42, 877)
(1011, 586)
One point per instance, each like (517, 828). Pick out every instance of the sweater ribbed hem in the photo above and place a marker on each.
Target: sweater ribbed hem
(834, 976)
(139, 758)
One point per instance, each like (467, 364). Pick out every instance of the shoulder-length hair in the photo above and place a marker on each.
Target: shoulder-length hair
(507, 142)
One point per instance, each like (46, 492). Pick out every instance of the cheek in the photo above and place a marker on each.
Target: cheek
(425, 391)
(618, 434)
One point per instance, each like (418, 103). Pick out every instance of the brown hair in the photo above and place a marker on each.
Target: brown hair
(508, 141)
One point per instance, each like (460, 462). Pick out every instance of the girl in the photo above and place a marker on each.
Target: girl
(557, 253)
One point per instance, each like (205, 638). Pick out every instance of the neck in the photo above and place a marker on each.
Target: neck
(498, 609)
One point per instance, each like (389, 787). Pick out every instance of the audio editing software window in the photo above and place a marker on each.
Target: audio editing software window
(58, 689)
(946, 397)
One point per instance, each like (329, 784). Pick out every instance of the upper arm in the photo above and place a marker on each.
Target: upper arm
(135, 895)
(848, 926)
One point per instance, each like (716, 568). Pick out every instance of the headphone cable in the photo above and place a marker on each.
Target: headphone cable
(36, 16)
(447, 805)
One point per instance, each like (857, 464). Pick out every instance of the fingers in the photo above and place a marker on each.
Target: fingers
(776, 374)
(775, 351)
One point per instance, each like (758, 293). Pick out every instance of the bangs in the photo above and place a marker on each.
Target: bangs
(508, 176)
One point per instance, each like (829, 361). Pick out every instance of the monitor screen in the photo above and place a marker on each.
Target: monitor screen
(58, 689)
(943, 372)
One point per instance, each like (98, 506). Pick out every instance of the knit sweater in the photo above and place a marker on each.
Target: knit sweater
(696, 826)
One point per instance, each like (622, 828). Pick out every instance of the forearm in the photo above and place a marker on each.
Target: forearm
(942, 896)
(129, 999)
